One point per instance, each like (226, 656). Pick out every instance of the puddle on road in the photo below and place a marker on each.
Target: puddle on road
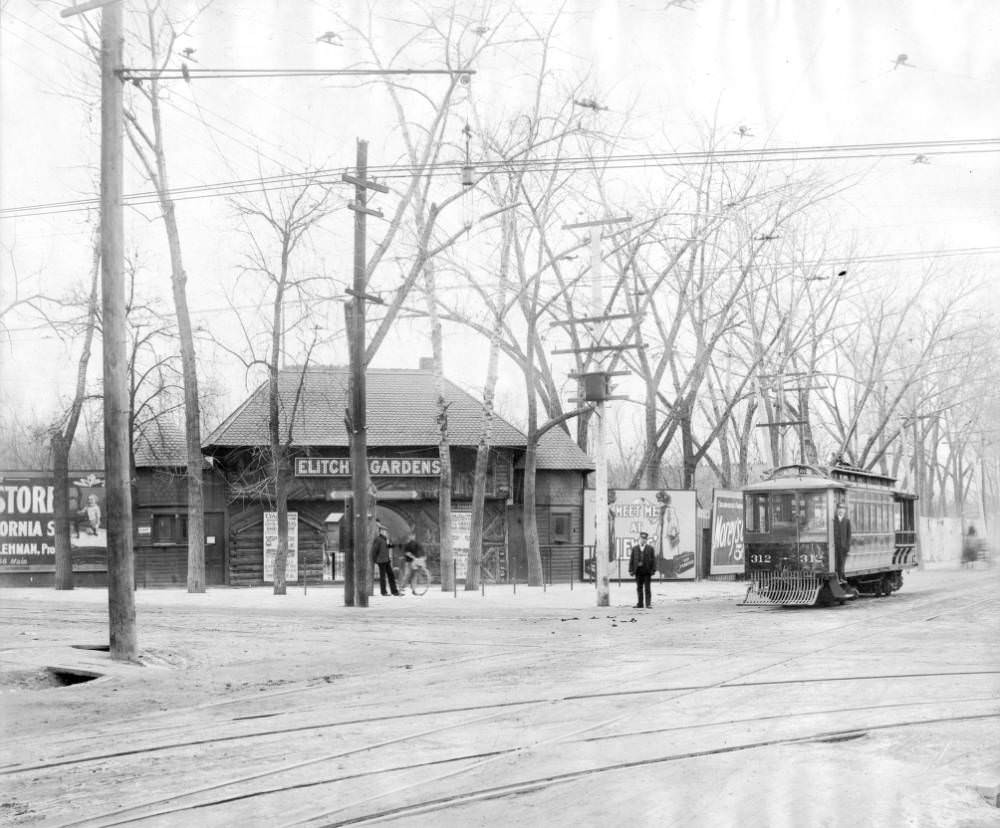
(44, 678)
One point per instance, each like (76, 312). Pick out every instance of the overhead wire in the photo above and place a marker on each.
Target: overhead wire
(572, 163)
(189, 73)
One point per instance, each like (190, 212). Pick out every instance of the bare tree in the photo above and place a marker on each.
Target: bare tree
(689, 295)
(11, 296)
(155, 385)
(148, 140)
(291, 294)
(64, 431)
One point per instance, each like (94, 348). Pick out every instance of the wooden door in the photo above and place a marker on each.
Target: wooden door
(215, 549)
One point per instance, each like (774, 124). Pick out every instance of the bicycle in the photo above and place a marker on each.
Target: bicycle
(419, 576)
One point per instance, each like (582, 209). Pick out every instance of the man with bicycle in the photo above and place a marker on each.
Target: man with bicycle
(414, 558)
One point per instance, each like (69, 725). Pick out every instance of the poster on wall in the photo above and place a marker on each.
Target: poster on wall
(461, 531)
(668, 516)
(727, 532)
(27, 522)
(271, 546)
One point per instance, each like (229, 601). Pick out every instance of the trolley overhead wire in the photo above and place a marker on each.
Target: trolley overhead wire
(899, 149)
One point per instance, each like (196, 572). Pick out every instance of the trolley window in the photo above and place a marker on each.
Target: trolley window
(783, 511)
(813, 512)
(755, 513)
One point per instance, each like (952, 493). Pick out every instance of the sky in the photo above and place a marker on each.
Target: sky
(793, 74)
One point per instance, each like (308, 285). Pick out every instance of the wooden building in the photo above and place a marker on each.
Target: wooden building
(159, 518)
(403, 436)
(159, 511)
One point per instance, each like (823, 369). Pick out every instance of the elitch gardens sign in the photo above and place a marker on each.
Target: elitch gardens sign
(377, 466)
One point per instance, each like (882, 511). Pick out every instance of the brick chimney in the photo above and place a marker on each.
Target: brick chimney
(426, 363)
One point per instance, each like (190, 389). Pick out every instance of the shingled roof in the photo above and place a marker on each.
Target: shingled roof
(160, 444)
(401, 405)
(557, 450)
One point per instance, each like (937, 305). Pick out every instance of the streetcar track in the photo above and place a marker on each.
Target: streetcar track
(442, 803)
(486, 755)
(497, 706)
(284, 769)
(883, 627)
(304, 686)
(784, 717)
(539, 783)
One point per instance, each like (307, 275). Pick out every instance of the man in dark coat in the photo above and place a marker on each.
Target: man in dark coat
(381, 556)
(642, 564)
(841, 538)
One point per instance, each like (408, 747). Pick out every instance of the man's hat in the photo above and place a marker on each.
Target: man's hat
(644, 534)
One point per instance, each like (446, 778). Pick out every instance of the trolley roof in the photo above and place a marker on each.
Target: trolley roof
(806, 476)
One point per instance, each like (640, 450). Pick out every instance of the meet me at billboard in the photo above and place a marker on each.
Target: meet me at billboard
(668, 516)
(27, 521)
(727, 532)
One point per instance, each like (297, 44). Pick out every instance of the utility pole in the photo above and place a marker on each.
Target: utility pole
(121, 571)
(596, 390)
(600, 437)
(358, 416)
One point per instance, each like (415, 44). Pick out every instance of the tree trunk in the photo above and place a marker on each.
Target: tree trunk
(689, 458)
(60, 507)
(62, 439)
(277, 450)
(531, 546)
(650, 472)
(472, 579)
(281, 507)
(192, 410)
(474, 571)
(192, 404)
(444, 447)
(444, 508)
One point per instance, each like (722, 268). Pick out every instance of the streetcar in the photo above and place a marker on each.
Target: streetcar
(788, 534)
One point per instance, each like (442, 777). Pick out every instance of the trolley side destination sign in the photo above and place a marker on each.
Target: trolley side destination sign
(377, 466)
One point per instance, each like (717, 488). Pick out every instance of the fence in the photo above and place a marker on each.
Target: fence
(566, 563)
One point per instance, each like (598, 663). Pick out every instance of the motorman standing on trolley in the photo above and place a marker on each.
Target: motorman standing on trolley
(841, 538)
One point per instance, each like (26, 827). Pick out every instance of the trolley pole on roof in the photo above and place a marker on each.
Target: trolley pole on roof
(358, 420)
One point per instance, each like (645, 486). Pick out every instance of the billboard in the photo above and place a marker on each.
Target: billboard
(27, 522)
(669, 516)
(271, 546)
(727, 532)
(461, 533)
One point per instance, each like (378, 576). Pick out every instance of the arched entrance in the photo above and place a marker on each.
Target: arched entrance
(397, 527)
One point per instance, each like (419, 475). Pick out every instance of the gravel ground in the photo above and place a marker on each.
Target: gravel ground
(527, 707)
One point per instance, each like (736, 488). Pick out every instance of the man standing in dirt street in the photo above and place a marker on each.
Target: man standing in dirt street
(642, 564)
(381, 556)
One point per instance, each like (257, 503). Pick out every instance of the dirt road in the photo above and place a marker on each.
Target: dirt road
(521, 708)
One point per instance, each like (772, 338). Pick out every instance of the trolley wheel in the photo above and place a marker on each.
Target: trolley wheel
(420, 582)
(886, 585)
